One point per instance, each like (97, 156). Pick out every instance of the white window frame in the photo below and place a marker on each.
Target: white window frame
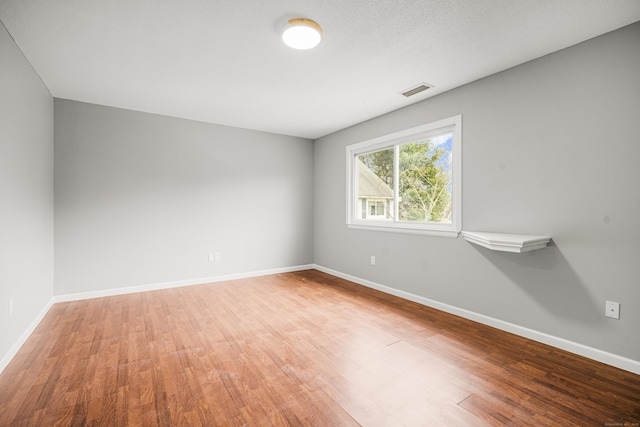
(394, 140)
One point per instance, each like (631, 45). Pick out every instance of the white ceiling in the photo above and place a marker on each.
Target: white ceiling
(222, 61)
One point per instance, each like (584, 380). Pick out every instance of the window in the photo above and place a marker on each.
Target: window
(409, 181)
(376, 208)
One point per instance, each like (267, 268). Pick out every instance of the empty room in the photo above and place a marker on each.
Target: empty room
(354, 213)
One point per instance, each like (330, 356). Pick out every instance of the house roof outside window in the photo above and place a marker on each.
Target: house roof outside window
(370, 185)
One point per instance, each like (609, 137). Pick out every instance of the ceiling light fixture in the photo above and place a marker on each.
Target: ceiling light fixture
(301, 33)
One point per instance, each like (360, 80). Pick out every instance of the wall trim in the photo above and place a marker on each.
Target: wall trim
(176, 284)
(561, 343)
(573, 347)
(7, 358)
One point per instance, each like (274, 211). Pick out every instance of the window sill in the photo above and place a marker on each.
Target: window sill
(406, 230)
(517, 243)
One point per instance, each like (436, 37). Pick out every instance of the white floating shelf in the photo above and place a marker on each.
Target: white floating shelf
(517, 243)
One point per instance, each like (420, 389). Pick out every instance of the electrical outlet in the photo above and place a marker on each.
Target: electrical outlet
(212, 257)
(217, 256)
(373, 260)
(612, 309)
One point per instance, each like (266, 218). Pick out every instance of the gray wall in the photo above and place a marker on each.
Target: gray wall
(26, 194)
(549, 147)
(142, 199)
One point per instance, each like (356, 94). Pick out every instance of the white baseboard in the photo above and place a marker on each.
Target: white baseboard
(570, 346)
(6, 359)
(176, 284)
(573, 347)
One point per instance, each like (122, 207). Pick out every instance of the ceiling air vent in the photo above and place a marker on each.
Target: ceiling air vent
(416, 89)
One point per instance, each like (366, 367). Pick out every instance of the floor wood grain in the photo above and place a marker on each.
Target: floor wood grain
(293, 349)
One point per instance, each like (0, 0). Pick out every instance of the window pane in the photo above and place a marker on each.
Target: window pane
(408, 181)
(375, 184)
(425, 180)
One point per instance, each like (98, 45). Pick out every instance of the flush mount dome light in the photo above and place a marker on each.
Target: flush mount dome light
(301, 33)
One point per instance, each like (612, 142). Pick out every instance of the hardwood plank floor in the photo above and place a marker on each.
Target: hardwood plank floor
(301, 348)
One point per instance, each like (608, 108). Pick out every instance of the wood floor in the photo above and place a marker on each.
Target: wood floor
(294, 349)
